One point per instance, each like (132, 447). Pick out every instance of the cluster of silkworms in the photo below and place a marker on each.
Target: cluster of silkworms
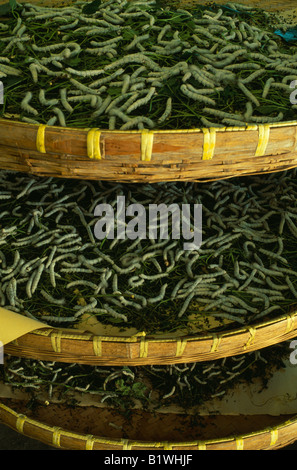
(134, 65)
(53, 268)
(182, 384)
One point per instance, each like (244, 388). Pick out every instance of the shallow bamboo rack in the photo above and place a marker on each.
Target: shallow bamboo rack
(175, 155)
(56, 344)
(181, 155)
(145, 431)
(151, 156)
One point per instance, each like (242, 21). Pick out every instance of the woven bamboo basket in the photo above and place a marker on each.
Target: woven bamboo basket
(86, 428)
(150, 156)
(183, 155)
(54, 344)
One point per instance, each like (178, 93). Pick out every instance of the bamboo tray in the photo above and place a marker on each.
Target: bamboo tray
(55, 344)
(89, 428)
(150, 156)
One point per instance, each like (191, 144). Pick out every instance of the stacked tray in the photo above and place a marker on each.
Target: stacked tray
(202, 154)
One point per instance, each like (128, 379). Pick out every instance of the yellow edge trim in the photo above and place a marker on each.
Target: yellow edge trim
(56, 338)
(56, 436)
(93, 144)
(147, 141)
(216, 343)
(180, 347)
(264, 134)
(201, 444)
(290, 323)
(40, 139)
(252, 332)
(20, 423)
(209, 143)
(90, 442)
(274, 437)
(126, 444)
(143, 348)
(239, 444)
(97, 346)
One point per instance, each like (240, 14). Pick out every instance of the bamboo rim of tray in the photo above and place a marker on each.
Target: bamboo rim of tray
(62, 345)
(267, 438)
(201, 154)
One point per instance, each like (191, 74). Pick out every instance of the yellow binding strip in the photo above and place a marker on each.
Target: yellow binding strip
(216, 342)
(290, 323)
(264, 134)
(93, 144)
(274, 437)
(201, 446)
(143, 347)
(126, 444)
(56, 436)
(252, 332)
(90, 442)
(239, 444)
(209, 143)
(20, 423)
(97, 345)
(40, 139)
(147, 141)
(180, 347)
(56, 338)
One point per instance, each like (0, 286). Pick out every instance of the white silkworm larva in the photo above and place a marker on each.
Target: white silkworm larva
(84, 73)
(34, 69)
(160, 296)
(25, 104)
(46, 102)
(82, 87)
(191, 93)
(243, 65)
(136, 41)
(140, 119)
(63, 96)
(222, 114)
(51, 299)
(253, 75)
(9, 70)
(29, 120)
(134, 58)
(141, 101)
(52, 121)
(248, 93)
(233, 122)
(167, 110)
(60, 115)
(170, 393)
(114, 313)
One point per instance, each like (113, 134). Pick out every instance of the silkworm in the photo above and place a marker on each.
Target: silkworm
(37, 277)
(134, 121)
(248, 93)
(60, 116)
(64, 101)
(81, 87)
(51, 299)
(159, 297)
(141, 101)
(25, 104)
(170, 393)
(189, 91)
(221, 114)
(267, 87)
